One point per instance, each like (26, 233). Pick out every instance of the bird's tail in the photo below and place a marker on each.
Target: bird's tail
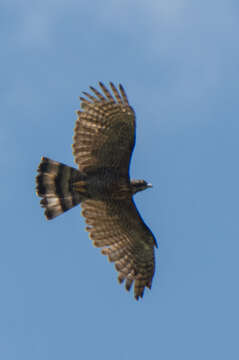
(60, 186)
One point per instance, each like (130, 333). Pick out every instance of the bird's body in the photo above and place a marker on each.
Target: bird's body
(104, 139)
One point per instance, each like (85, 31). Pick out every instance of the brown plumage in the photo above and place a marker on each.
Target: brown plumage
(104, 138)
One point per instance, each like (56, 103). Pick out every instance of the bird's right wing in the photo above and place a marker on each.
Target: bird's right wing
(104, 135)
(117, 227)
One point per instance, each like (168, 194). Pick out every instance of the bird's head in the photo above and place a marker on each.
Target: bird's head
(139, 185)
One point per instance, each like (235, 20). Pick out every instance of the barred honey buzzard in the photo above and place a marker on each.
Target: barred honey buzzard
(104, 138)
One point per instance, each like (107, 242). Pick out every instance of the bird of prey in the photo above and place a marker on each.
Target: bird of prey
(104, 138)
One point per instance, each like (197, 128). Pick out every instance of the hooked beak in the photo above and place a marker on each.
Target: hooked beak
(149, 185)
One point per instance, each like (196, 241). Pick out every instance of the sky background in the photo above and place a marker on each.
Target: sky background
(178, 61)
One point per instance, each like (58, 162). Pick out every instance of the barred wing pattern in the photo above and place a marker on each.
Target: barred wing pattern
(117, 227)
(104, 135)
(104, 138)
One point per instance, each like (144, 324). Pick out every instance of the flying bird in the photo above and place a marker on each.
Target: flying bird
(104, 138)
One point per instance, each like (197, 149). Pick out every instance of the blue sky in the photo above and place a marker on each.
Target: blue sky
(178, 62)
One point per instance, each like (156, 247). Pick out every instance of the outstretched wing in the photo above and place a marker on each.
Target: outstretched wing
(104, 134)
(117, 227)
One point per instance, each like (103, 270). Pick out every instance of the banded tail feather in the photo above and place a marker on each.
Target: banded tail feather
(54, 183)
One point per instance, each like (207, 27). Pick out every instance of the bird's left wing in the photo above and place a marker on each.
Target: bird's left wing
(117, 227)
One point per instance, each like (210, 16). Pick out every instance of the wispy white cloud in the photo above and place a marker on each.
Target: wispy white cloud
(35, 28)
(194, 43)
(34, 22)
